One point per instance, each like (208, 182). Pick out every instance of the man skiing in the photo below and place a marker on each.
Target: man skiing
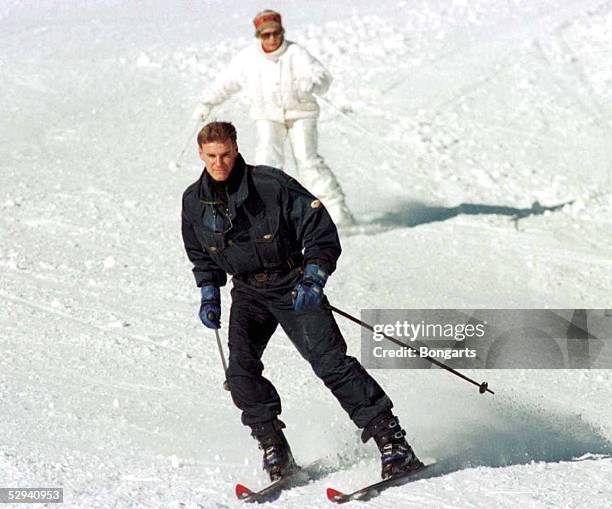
(279, 243)
(280, 79)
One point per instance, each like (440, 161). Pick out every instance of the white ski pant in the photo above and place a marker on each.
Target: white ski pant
(312, 171)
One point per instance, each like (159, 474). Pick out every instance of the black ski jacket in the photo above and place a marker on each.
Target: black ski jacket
(260, 219)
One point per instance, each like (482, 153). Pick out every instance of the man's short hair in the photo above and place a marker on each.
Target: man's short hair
(217, 131)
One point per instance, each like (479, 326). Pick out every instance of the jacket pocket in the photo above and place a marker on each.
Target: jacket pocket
(271, 250)
(216, 246)
(240, 253)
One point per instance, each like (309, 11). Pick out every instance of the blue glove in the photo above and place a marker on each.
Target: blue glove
(309, 292)
(210, 308)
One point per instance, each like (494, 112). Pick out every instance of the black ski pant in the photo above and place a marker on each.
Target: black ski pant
(256, 311)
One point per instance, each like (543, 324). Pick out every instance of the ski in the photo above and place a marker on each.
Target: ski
(269, 492)
(375, 489)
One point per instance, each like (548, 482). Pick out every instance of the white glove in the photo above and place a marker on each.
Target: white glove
(201, 112)
(306, 85)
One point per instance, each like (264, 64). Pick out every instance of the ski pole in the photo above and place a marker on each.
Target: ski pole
(211, 316)
(359, 126)
(482, 387)
(341, 113)
(176, 164)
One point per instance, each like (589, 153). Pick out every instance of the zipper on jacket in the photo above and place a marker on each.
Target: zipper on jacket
(280, 86)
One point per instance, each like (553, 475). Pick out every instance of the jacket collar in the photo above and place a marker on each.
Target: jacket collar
(237, 186)
(277, 53)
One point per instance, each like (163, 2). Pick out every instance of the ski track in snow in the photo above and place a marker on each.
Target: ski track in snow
(110, 386)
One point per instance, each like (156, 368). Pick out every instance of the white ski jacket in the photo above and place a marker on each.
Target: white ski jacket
(279, 85)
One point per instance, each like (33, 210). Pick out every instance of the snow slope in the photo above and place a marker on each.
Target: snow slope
(449, 119)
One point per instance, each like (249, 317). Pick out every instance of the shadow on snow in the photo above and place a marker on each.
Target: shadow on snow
(412, 214)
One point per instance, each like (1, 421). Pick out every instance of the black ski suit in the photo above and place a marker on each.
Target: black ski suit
(260, 226)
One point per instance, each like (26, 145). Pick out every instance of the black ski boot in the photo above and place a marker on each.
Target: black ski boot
(397, 457)
(277, 459)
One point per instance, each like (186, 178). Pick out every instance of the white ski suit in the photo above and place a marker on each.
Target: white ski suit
(280, 87)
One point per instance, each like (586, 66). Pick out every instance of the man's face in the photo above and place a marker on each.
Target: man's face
(219, 158)
(271, 39)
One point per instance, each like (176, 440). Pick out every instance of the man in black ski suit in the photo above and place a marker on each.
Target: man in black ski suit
(280, 245)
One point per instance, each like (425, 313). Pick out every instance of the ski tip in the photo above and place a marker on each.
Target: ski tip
(334, 495)
(242, 491)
